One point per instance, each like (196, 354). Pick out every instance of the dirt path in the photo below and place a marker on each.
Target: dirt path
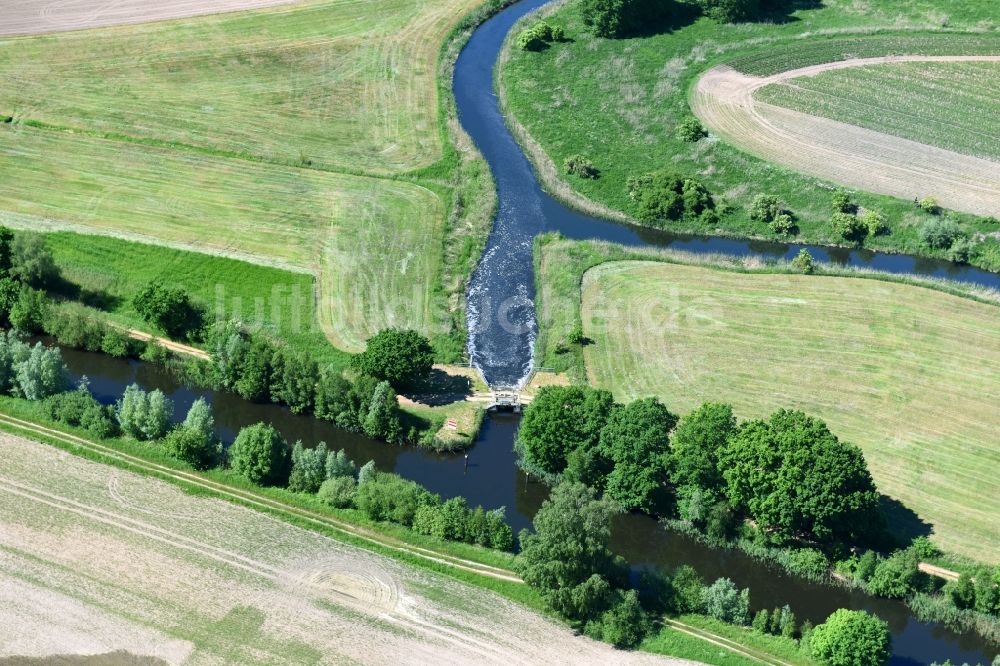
(26, 17)
(175, 347)
(853, 156)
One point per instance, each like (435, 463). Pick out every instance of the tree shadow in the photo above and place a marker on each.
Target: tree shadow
(440, 388)
(782, 11)
(902, 523)
(672, 16)
(97, 299)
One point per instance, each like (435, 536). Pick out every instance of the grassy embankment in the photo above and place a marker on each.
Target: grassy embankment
(945, 104)
(908, 373)
(618, 102)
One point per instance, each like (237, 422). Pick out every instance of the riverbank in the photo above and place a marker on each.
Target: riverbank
(634, 134)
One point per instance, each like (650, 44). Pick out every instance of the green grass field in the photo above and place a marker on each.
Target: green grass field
(907, 373)
(341, 84)
(308, 136)
(949, 105)
(618, 103)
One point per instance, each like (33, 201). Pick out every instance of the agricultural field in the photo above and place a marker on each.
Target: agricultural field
(95, 560)
(907, 373)
(618, 102)
(278, 136)
(950, 105)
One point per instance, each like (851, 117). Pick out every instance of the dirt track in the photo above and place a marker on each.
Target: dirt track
(853, 156)
(87, 545)
(27, 17)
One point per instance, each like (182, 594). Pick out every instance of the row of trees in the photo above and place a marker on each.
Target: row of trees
(793, 477)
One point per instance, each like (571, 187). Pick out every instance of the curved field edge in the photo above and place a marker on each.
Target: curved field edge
(569, 118)
(950, 105)
(678, 331)
(727, 103)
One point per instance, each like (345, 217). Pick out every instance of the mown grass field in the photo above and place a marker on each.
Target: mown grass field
(909, 374)
(618, 103)
(336, 83)
(948, 105)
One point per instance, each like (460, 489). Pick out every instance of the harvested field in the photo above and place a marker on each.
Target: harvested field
(909, 374)
(945, 104)
(335, 226)
(26, 17)
(163, 574)
(724, 100)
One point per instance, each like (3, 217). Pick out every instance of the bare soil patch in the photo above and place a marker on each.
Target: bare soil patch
(853, 156)
(26, 17)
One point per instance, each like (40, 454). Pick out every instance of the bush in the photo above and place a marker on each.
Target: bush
(625, 624)
(690, 130)
(963, 595)
(848, 226)
(260, 454)
(115, 343)
(578, 165)
(896, 577)
(69, 407)
(662, 195)
(725, 602)
(842, 203)
(764, 208)
(169, 309)
(761, 621)
(619, 18)
(538, 36)
(783, 224)
(338, 491)
(188, 445)
(851, 638)
(42, 373)
(391, 497)
(930, 205)
(400, 357)
(30, 310)
(31, 262)
(874, 222)
(688, 590)
(143, 415)
(803, 261)
(808, 563)
(939, 234)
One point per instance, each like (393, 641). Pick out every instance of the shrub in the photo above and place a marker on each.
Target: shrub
(367, 472)
(580, 166)
(338, 491)
(400, 357)
(688, 590)
(725, 602)
(31, 262)
(939, 234)
(115, 343)
(803, 261)
(874, 222)
(808, 563)
(169, 309)
(663, 195)
(189, 445)
(848, 226)
(690, 130)
(144, 415)
(842, 203)
(308, 468)
(293, 377)
(390, 497)
(155, 354)
(963, 595)
(765, 208)
(896, 577)
(73, 326)
(851, 638)
(69, 406)
(625, 624)
(783, 224)
(961, 250)
(260, 454)
(761, 621)
(42, 373)
(930, 205)
(337, 465)
(536, 37)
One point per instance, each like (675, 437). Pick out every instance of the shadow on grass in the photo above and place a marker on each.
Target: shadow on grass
(440, 388)
(904, 525)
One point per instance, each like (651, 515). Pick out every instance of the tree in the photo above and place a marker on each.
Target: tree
(626, 623)
(619, 18)
(663, 195)
(367, 472)
(308, 468)
(558, 421)
(30, 310)
(194, 440)
(168, 308)
(200, 420)
(382, 420)
(12, 352)
(939, 234)
(260, 454)
(963, 595)
(688, 590)
(795, 477)
(254, 382)
(695, 444)
(725, 602)
(896, 577)
(31, 262)
(538, 36)
(848, 226)
(851, 638)
(636, 440)
(333, 395)
(803, 261)
(391, 497)
(6, 250)
(730, 11)
(144, 415)
(41, 373)
(337, 464)
(293, 379)
(567, 558)
(761, 621)
(764, 208)
(690, 130)
(987, 594)
(400, 357)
